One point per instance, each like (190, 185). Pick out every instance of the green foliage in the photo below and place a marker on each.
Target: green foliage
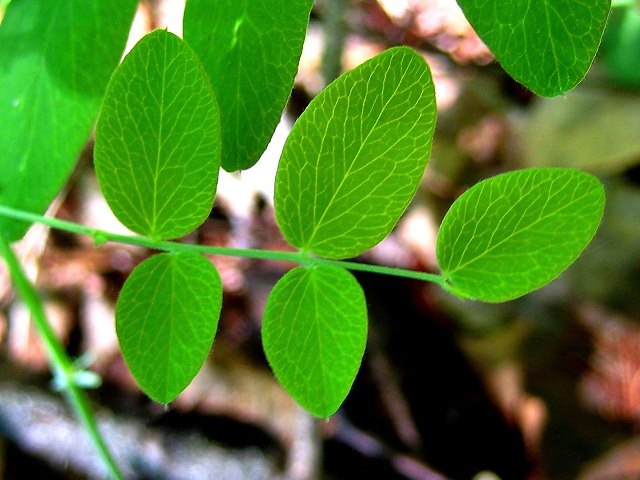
(157, 152)
(349, 169)
(546, 45)
(55, 62)
(513, 233)
(250, 51)
(353, 160)
(314, 333)
(166, 318)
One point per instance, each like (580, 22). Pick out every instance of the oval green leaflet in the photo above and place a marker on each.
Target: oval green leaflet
(314, 334)
(166, 318)
(548, 46)
(354, 159)
(157, 152)
(511, 234)
(250, 50)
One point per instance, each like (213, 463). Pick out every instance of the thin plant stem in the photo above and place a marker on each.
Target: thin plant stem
(101, 236)
(64, 370)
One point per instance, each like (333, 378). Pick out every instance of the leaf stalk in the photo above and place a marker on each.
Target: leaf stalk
(101, 236)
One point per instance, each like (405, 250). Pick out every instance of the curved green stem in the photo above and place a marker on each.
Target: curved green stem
(65, 372)
(101, 236)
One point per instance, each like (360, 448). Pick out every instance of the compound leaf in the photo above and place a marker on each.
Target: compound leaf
(55, 61)
(166, 319)
(355, 157)
(250, 51)
(157, 152)
(547, 45)
(511, 234)
(314, 334)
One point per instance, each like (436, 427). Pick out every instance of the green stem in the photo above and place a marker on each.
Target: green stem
(101, 236)
(63, 368)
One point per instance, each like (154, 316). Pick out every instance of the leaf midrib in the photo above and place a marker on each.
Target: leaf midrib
(160, 143)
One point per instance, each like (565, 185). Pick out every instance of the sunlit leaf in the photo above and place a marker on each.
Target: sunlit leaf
(55, 61)
(547, 45)
(513, 233)
(250, 51)
(166, 319)
(355, 157)
(157, 152)
(314, 334)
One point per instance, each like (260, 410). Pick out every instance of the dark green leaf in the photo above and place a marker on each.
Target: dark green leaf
(55, 61)
(546, 45)
(513, 233)
(354, 159)
(166, 318)
(250, 51)
(314, 334)
(157, 152)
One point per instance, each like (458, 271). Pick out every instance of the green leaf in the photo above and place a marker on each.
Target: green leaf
(157, 152)
(314, 334)
(166, 318)
(547, 45)
(513, 233)
(355, 157)
(250, 51)
(55, 61)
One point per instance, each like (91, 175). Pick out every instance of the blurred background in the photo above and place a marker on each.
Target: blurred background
(543, 387)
